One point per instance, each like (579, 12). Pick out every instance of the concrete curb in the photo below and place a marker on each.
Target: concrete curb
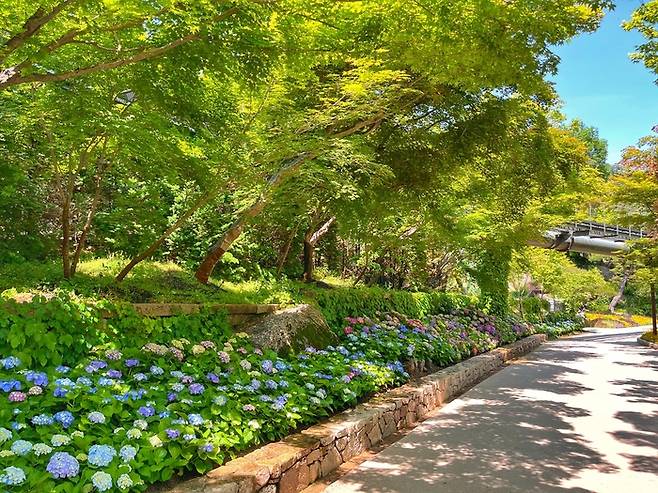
(290, 465)
(647, 343)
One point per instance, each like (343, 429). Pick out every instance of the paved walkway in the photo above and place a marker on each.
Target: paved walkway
(578, 415)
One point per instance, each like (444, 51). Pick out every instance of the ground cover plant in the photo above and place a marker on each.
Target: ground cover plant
(122, 418)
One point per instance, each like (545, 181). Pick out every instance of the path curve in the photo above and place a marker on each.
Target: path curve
(578, 415)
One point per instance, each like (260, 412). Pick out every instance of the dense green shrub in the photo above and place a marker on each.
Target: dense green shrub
(339, 303)
(63, 328)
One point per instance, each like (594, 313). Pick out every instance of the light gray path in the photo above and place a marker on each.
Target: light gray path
(578, 415)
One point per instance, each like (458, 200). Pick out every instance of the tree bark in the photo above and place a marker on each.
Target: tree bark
(31, 27)
(221, 247)
(620, 294)
(66, 225)
(87, 227)
(283, 256)
(202, 201)
(311, 239)
(653, 309)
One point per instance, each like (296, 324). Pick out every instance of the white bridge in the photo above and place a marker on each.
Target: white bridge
(589, 237)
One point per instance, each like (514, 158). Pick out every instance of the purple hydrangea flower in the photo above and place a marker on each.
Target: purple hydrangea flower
(172, 434)
(147, 411)
(130, 363)
(196, 389)
(113, 374)
(212, 378)
(267, 366)
(63, 465)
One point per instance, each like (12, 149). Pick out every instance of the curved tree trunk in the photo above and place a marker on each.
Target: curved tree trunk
(221, 247)
(620, 294)
(311, 239)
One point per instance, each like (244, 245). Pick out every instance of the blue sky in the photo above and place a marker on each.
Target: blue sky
(599, 84)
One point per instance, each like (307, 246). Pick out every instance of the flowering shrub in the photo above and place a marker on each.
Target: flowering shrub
(123, 418)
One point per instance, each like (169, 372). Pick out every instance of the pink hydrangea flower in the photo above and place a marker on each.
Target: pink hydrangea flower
(17, 396)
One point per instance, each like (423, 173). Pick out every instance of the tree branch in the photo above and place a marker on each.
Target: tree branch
(32, 26)
(13, 77)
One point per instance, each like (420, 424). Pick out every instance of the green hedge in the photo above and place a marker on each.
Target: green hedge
(338, 303)
(62, 329)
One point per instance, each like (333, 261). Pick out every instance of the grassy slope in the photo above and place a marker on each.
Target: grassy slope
(151, 282)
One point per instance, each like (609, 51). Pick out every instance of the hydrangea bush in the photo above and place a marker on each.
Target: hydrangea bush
(124, 418)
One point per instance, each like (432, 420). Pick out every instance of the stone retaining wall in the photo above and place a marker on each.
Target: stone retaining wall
(290, 465)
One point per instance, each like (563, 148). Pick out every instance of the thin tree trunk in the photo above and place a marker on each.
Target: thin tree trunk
(87, 226)
(653, 309)
(311, 240)
(221, 247)
(67, 198)
(202, 201)
(620, 294)
(283, 256)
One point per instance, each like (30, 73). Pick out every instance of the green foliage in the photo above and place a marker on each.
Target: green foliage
(645, 20)
(62, 328)
(338, 303)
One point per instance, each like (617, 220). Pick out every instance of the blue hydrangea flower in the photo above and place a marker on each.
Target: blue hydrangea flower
(195, 419)
(10, 362)
(102, 481)
(105, 382)
(10, 385)
(220, 400)
(156, 370)
(60, 392)
(63, 465)
(172, 396)
(113, 374)
(178, 387)
(37, 378)
(212, 378)
(101, 455)
(21, 447)
(84, 381)
(130, 363)
(271, 385)
(62, 369)
(207, 448)
(280, 365)
(42, 420)
(127, 453)
(12, 476)
(96, 417)
(172, 434)
(188, 437)
(147, 411)
(65, 418)
(164, 414)
(96, 365)
(140, 377)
